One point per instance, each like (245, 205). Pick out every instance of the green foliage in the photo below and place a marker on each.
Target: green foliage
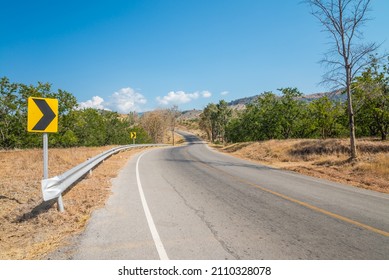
(9, 113)
(261, 119)
(371, 91)
(235, 132)
(269, 118)
(214, 120)
(287, 116)
(207, 121)
(325, 117)
(89, 127)
(290, 111)
(141, 135)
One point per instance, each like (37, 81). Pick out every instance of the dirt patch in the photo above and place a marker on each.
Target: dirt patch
(327, 159)
(30, 228)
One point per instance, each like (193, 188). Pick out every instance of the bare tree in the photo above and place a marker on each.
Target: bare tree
(342, 20)
(155, 124)
(173, 114)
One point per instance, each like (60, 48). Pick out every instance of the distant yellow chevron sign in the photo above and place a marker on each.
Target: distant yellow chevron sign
(42, 115)
(133, 135)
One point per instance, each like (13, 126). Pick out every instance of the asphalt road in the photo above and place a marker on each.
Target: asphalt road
(190, 202)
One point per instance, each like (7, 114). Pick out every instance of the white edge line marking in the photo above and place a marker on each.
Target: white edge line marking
(157, 240)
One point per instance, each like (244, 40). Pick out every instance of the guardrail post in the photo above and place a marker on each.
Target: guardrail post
(61, 208)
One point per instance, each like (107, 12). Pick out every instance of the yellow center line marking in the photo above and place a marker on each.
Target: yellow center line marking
(307, 205)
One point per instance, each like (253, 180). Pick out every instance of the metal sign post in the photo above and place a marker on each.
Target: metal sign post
(45, 156)
(60, 205)
(42, 116)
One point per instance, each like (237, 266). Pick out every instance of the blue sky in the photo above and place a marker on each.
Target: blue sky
(139, 55)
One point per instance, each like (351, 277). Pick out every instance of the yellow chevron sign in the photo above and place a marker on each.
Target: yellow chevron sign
(42, 115)
(133, 135)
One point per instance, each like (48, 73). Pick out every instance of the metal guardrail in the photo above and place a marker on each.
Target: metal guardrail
(55, 186)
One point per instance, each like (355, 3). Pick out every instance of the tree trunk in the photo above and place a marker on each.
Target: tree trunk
(353, 144)
(384, 135)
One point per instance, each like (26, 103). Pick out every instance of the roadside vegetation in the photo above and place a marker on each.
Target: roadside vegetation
(29, 227)
(322, 158)
(288, 116)
(310, 137)
(77, 127)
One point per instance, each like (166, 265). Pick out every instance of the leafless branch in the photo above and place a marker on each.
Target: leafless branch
(343, 20)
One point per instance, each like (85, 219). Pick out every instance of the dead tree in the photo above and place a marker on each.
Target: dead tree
(343, 20)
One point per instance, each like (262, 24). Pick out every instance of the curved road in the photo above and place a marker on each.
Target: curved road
(190, 202)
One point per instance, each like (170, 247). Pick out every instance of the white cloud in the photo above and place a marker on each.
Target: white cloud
(223, 93)
(206, 94)
(181, 97)
(177, 97)
(126, 100)
(96, 102)
(123, 101)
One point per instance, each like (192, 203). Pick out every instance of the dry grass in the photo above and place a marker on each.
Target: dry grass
(30, 231)
(28, 228)
(324, 159)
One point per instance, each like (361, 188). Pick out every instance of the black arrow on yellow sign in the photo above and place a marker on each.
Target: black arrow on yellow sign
(48, 114)
(42, 115)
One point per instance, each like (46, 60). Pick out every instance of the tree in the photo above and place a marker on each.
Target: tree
(214, 120)
(290, 110)
(325, 115)
(87, 127)
(90, 128)
(67, 103)
(371, 90)
(262, 119)
(270, 117)
(342, 20)
(235, 131)
(9, 111)
(223, 115)
(207, 121)
(155, 124)
(172, 115)
(251, 123)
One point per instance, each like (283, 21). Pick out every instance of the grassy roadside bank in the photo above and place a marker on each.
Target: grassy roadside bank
(327, 159)
(29, 231)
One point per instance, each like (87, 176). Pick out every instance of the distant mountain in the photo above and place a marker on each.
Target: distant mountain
(337, 95)
(190, 114)
(240, 104)
(243, 101)
(334, 95)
